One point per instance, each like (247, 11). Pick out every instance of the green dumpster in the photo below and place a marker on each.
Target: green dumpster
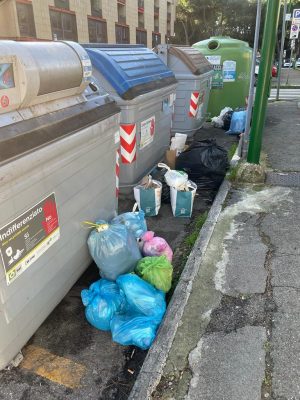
(231, 60)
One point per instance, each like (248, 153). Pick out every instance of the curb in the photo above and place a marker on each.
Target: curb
(152, 369)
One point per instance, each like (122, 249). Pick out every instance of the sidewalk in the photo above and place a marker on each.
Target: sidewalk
(239, 335)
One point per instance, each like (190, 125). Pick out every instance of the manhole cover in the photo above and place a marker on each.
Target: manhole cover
(283, 178)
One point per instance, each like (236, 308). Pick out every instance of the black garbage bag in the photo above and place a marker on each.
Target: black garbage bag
(205, 162)
(159, 175)
(227, 120)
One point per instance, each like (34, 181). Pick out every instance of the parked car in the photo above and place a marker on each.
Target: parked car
(287, 63)
(297, 64)
(274, 70)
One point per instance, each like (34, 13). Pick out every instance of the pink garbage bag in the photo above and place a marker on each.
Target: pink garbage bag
(155, 246)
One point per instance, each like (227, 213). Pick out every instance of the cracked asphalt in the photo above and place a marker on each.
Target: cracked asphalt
(239, 337)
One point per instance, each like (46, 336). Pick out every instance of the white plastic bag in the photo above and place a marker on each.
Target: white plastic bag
(174, 178)
(218, 121)
(178, 141)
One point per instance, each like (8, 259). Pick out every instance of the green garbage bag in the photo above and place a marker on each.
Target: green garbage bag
(157, 271)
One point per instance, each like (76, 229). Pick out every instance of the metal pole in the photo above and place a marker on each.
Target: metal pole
(263, 83)
(281, 48)
(291, 62)
(252, 80)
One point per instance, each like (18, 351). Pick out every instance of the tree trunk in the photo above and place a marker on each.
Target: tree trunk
(185, 32)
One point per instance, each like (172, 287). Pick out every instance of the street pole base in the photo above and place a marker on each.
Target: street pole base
(251, 173)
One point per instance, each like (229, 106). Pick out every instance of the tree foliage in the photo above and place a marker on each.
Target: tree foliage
(199, 19)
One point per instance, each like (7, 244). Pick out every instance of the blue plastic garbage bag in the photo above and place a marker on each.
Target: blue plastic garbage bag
(137, 330)
(238, 123)
(114, 250)
(141, 297)
(102, 300)
(134, 221)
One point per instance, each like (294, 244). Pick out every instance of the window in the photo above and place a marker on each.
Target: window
(97, 31)
(141, 21)
(26, 20)
(122, 34)
(156, 24)
(63, 25)
(96, 7)
(156, 7)
(62, 4)
(141, 37)
(121, 14)
(156, 39)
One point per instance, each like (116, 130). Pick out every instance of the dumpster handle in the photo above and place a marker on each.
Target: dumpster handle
(99, 227)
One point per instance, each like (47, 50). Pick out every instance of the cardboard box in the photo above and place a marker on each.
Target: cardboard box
(171, 156)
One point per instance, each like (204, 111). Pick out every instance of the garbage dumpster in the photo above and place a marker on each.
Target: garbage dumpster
(144, 88)
(57, 168)
(193, 73)
(231, 60)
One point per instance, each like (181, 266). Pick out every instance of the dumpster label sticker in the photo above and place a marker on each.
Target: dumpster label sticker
(200, 112)
(4, 101)
(147, 131)
(214, 60)
(87, 67)
(217, 79)
(117, 136)
(26, 238)
(6, 76)
(229, 71)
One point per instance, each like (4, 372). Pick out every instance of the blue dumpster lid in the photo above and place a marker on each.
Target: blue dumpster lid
(131, 70)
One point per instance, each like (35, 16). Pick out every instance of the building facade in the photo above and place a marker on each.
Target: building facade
(147, 22)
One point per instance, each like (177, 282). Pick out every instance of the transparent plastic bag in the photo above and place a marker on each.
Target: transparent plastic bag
(141, 297)
(174, 178)
(156, 270)
(114, 249)
(102, 301)
(134, 221)
(155, 246)
(137, 330)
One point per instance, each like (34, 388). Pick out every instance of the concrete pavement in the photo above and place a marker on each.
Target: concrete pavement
(239, 335)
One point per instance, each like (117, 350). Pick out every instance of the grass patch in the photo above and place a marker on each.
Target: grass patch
(232, 173)
(232, 150)
(186, 247)
(192, 237)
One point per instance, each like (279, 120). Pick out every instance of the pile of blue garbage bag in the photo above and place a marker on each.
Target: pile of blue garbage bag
(121, 301)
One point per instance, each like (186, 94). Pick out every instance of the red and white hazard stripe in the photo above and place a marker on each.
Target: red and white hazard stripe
(117, 172)
(194, 102)
(128, 143)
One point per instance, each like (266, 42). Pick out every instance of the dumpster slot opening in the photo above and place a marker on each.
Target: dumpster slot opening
(26, 136)
(144, 88)
(213, 45)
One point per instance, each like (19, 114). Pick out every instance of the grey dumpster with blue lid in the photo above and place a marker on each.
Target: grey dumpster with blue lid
(194, 74)
(144, 88)
(58, 145)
